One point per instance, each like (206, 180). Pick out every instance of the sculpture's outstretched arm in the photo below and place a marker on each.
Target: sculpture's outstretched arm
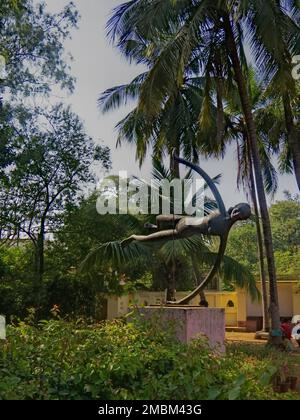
(163, 235)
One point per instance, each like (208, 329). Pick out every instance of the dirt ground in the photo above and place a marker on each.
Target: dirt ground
(249, 337)
(246, 337)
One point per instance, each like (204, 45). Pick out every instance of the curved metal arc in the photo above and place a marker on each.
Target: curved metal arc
(208, 278)
(223, 239)
(209, 182)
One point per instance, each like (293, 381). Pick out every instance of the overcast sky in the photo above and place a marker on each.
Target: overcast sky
(97, 66)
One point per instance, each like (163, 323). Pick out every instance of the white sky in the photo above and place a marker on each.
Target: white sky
(98, 66)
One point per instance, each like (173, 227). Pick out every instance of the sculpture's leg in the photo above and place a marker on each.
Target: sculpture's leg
(163, 235)
(164, 222)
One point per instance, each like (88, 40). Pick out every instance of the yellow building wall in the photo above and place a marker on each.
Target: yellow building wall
(289, 301)
(112, 307)
(119, 306)
(296, 300)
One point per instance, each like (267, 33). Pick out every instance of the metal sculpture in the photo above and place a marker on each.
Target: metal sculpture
(217, 223)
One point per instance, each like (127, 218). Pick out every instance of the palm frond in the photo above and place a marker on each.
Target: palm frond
(119, 95)
(269, 171)
(184, 247)
(117, 255)
(235, 273)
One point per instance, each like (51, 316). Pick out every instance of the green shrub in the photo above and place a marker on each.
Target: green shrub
(115, 360)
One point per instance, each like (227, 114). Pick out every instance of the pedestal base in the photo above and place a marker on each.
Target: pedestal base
(189, 322)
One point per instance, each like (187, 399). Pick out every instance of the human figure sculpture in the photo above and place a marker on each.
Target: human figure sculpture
(217, 223)
(177, 227)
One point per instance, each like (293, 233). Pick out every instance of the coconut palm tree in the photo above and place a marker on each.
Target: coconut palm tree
(193, 101)
(175, 126)
(245, 178)
(197, 95)
(210, 29)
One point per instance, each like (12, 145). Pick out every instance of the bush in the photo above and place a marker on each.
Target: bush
(75, 294)
(115, 360)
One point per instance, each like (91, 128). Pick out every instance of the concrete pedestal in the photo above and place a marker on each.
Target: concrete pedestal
(189, 322)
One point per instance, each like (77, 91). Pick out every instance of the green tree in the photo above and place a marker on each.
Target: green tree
(16, 279)
(174, 128)
(285, 225)
(52, 159)
(285, 218)
(82, 230)
(31, 41)
(242, 246)
(237, 131)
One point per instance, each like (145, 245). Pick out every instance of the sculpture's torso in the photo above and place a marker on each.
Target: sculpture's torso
(214, 224)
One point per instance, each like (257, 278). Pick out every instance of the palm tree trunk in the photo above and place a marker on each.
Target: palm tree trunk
(198, 278)
(263, 280)
(293, 139)
(173, 269)
(174, 164)
(246, 106)
(171, 287)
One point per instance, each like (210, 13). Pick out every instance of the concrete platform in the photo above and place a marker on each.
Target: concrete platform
(189, 322)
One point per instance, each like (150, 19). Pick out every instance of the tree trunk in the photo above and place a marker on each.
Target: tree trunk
(263, 280)
(246, 107)
(198, 279)
(293, 137)
(171, 288)
(174, 164)
(39, 266)
(40, 253)
(172, 268)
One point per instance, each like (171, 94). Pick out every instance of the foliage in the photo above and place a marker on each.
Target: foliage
(285, 221)
(62, 284)
(61, 360)
(16, 280)
(287, 262)
(51, 160)
(31, 41)
(52, 155)
(83, 228)
(285, 218)
(242, 245)
(74, 294)
(189, 41)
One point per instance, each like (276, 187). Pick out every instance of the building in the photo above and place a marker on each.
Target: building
(240, 311)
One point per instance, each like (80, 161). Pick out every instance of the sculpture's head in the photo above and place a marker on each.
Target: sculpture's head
(241, 211)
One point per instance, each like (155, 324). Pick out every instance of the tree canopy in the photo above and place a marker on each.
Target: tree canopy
(32, 44)
(285, 219)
